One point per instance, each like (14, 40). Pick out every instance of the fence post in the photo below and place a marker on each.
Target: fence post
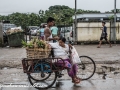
(110, 30)
(114, 31)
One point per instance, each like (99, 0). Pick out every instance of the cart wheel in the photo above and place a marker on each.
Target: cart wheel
(39, 74)
(86, 68)
(43, 77)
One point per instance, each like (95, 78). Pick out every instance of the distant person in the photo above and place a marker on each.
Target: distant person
(47, 32)
(42, 32)
(71, 35)
(60, 33)
(104, 35)
(54, 31)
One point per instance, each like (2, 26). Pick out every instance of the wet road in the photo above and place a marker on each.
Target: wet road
(11, 58)
(109, 84)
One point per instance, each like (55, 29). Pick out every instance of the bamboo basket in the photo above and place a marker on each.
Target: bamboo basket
(37, 53)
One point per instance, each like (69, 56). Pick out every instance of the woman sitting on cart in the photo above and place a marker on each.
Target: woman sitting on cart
(61, 50)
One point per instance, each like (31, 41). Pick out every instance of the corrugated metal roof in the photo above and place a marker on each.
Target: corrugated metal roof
(96, 15)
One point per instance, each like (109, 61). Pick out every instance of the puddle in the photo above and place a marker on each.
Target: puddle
(5, 68)
(107, 68)
(108, 71)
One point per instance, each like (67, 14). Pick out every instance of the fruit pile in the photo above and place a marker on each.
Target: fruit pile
(14, 30)
(36, 43)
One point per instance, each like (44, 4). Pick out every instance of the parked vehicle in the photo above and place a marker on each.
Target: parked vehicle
(7, 26)
(33, 30)
(66, 34)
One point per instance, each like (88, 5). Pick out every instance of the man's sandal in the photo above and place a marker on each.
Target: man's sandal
(110, 46)
(98, 46)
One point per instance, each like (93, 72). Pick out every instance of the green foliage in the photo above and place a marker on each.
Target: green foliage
(24, 43)
(112, 11)
(30, 45)
(61, 13)
(40, 44)
(111, 17)
(34, 43)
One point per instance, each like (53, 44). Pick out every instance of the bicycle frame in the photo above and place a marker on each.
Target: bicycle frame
(33, 63)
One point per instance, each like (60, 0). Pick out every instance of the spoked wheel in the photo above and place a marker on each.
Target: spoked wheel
(38, 74)
(86, 68)
(43, 77)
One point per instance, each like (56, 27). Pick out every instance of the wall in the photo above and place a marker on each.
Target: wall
(90, 31)
(118, 31)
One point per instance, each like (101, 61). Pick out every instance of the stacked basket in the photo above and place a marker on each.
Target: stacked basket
(37, 53)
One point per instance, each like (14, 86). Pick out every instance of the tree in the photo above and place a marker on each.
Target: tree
(61, 13)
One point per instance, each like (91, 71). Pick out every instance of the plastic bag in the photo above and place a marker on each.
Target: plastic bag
(103, 34)
(74, 56)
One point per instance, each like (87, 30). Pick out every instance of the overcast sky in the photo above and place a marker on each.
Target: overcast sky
(27, 6)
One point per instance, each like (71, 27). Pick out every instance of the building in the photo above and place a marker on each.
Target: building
(96, 17)
(88, 27)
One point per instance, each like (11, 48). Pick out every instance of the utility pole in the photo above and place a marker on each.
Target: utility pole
(75, 25)
(114, 34)
(64, 29)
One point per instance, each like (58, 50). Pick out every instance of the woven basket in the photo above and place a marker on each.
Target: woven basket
(38, 53)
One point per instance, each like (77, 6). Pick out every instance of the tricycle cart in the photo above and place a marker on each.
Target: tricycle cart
(43, 72)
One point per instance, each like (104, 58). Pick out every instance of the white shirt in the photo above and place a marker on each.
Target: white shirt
(60, 52)
(51, 41)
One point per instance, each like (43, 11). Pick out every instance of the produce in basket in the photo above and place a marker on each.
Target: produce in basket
(37, 49)
(36, 43)
(11, 31)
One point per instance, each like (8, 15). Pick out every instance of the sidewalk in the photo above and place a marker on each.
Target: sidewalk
(10, 56)
(98, 54)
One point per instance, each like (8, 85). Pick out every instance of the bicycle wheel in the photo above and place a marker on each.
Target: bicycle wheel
(86, 68)
(48, 82)
(38, 75)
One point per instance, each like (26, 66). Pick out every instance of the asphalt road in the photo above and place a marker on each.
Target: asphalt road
(11, 57)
